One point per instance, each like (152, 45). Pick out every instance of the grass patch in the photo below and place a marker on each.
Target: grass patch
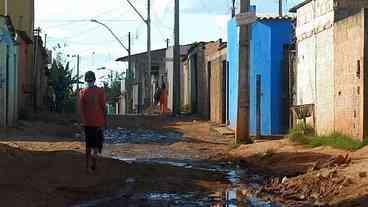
(304, 135)
(336, 140)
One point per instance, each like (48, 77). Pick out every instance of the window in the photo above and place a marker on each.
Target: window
(358, 69)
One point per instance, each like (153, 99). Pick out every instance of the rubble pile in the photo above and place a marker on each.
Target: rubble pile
(322, 182)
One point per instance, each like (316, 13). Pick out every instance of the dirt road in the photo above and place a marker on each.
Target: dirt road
(158, 162)
(171, 162)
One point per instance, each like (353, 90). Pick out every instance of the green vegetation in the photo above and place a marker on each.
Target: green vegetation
(62, 81)
(112, 86)
(305, 135)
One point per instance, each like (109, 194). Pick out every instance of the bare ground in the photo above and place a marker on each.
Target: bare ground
(304, 176)
(42, 164)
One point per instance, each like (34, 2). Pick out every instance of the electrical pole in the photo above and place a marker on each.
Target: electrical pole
(149, 61)
(78, 73)
(233, 9)
(6, 8)
(280, 8)
(167, 43)
(128, 49)
(35, 68)
(128, 76)
(149, 51)
(242, 122)
(45, 41)
(176, 82)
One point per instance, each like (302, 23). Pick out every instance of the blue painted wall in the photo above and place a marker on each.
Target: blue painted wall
(233, 59)
(266, 52)
(268, 38)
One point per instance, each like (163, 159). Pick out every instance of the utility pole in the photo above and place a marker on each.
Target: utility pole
(280, 8)
(233, 9)
(167, 43)
(149, 51)
(176, 82)
(6, 8)
(78, 73)
(45, 41)
(149, 59)
(242, 122)
(128, 76)
(128, 49)
(35, 68)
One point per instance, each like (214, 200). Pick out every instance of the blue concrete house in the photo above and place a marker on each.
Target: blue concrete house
(268, 76)
(8, 74)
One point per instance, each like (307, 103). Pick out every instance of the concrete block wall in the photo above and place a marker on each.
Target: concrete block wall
(315, 76)
(216, 55)
(168, 72)
(331, 61)
(202, 83)
(349, 75)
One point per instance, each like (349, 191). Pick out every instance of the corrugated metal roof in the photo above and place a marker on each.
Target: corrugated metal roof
(270, 17)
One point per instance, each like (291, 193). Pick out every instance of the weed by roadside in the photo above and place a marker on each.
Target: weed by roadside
(305, 135)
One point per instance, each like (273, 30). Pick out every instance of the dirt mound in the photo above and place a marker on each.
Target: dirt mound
(322, 183)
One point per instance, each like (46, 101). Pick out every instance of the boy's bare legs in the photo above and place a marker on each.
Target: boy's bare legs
(94, 159)
(88, 156)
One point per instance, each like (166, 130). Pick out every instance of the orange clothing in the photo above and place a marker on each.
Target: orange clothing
(92, 107)
(163, 101)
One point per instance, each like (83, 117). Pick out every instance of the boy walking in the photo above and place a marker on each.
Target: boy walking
(92, 108)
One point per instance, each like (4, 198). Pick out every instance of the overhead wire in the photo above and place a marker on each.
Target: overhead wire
(157, 26)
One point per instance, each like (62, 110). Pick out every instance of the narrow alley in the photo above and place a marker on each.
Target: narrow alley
(183, 103)
(156, 162)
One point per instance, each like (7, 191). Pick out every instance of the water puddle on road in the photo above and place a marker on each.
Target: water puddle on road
(141, 136)
(179, 183)
(235, 195)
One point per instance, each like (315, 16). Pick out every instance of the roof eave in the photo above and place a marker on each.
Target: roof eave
(298, 6)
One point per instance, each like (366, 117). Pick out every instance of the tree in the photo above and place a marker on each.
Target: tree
(113, 86)
(62, 82)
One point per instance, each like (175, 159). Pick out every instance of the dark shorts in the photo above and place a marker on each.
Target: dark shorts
(94, 138)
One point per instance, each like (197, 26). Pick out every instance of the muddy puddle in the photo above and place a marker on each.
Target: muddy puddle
(232, 193)
(141, 136)
(179, 183)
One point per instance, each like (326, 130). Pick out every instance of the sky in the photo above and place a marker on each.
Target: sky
(69, 30)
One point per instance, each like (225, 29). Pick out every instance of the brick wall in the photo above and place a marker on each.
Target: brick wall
(315, 62)
(202, 83)
(331, 60)
(349, 84)
(215, 55)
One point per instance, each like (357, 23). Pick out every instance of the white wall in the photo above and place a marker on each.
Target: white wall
(315, 68)
(170, 73)
(170, 76)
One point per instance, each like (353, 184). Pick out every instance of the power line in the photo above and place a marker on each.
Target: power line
(88, 20)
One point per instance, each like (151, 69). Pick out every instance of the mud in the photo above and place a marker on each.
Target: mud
(234, 192)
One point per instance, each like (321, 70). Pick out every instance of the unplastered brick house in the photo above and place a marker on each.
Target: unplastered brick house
(331, 64)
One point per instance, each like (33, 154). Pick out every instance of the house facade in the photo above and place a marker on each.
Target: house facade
(24, 72)
(8, 74)
(269, 78)
(331, 42)
(22, 16)
(168, 72)
(140, 82)
(232, 71)
(39, 74)
(216, 60)
(195, 87)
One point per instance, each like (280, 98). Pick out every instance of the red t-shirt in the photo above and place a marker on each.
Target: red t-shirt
(92, 107)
